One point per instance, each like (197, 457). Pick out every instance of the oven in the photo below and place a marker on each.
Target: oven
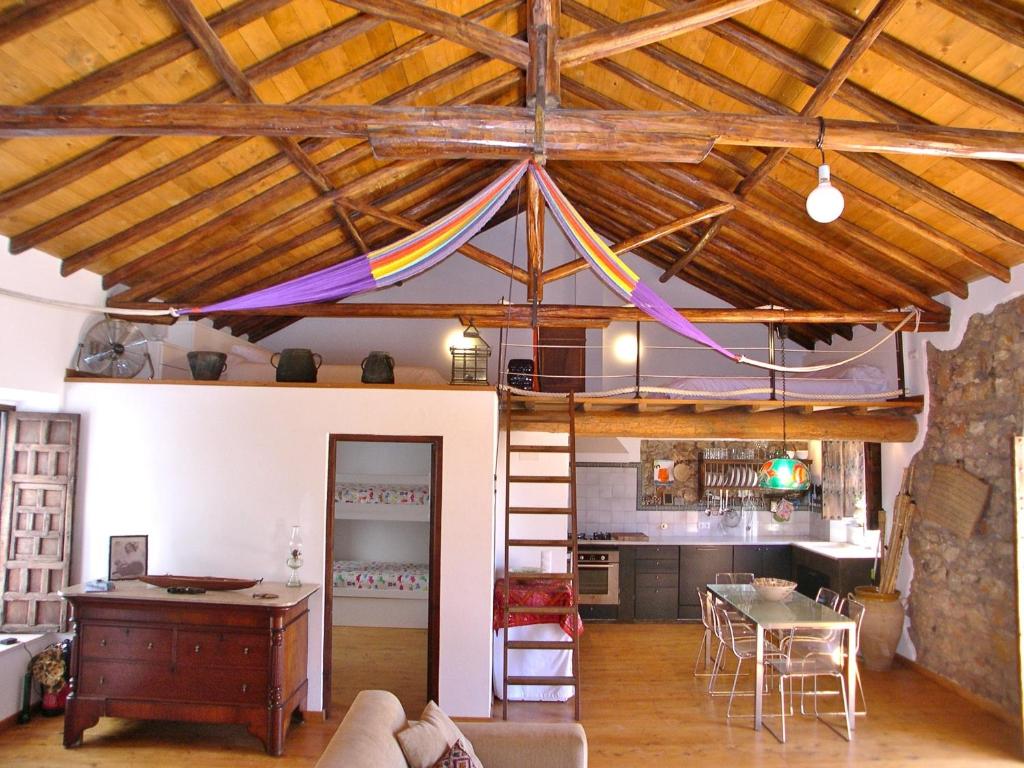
(599, 576)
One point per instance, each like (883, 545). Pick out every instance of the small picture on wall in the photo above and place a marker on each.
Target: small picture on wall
(129, 557)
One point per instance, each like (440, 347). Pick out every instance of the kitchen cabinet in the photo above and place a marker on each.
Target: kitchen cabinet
(774, 560)
(698, 564)
(657, 586)
(812, 570)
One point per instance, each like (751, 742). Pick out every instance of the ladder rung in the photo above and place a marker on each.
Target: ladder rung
(540, 542)
(543, 577)
(539, 448)
(540, 479)
(540, 510)
(544, 610)
(524, 680)
(552, 645)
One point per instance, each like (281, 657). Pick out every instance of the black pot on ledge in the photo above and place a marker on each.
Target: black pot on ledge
(207, 366)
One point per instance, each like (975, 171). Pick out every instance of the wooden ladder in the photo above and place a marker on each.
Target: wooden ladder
(564, 410)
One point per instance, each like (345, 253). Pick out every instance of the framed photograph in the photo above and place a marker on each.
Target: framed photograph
(129, 557)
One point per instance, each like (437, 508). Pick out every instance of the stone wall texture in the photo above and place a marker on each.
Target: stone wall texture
(963, 596)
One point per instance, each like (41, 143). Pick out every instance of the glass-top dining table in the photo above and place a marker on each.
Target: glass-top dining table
(796, 611)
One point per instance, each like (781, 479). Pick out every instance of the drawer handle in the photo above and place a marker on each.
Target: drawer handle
(149, 646)
(103, 643)
(245, 687)
(196, 649)
(102, 680)
(245, 651)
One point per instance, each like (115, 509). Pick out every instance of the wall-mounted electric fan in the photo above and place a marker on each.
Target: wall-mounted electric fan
(114, 348)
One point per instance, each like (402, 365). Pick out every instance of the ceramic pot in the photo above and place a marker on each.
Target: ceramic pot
(207, 366)
(296, 365)
(882, 628)
(378, 368)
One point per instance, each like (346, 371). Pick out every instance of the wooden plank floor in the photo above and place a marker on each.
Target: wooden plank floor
(641, 707)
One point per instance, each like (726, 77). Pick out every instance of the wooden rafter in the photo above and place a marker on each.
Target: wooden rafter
(467, 132)
(458, 29)
(810, 73)
(633, 34)
(826, 89)
(202, 34)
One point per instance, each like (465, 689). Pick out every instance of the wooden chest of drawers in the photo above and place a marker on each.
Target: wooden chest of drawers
(220, 657)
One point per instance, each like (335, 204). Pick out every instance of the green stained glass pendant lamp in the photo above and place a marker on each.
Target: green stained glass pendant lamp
(783, 474)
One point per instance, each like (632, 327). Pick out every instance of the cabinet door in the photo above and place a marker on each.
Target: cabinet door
(776, 561)
(656, 602)
(748, 558)
(698, 565)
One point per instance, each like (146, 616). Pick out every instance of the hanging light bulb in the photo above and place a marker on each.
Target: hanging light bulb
(825, 202)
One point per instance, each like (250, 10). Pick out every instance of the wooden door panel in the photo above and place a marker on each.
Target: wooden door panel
(35, 519)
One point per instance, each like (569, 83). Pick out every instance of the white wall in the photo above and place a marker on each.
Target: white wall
(216, 475)
(38, 341)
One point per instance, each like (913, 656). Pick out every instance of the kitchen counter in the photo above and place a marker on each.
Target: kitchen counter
(834, 550)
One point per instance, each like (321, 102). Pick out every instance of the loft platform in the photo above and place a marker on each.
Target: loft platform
(887, 421)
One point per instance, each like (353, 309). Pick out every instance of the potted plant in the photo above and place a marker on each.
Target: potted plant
(49, 668)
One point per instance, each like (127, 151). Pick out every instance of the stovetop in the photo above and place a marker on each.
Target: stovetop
(595, 536)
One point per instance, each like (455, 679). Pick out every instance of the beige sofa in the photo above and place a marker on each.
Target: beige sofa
(366, 738)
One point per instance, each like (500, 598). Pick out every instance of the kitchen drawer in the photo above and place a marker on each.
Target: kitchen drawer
(656, 603)
(657, 552)
(665, 579)
(657, 566)
(224, 649)
(130, 679)
(222, 686)
(126, 643)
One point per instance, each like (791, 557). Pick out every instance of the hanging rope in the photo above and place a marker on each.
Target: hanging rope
(91, 308)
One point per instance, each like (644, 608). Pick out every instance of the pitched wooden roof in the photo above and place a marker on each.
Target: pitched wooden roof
(188, 218)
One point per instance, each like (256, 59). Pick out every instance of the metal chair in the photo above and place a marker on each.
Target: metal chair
(743, 645)
(734, 578)
(830, 598)
(707, 619)
(804, 658)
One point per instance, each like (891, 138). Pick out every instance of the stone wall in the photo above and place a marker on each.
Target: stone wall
(963, 596)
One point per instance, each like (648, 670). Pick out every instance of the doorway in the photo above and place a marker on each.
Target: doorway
(382, 579)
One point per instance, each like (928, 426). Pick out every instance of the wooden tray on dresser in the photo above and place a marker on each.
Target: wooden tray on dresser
(212, 583)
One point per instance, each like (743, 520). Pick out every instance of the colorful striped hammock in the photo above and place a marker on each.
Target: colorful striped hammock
(429, 246)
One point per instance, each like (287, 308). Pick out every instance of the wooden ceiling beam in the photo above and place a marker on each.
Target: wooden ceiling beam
(1005, 22)
(97, 157)
(29, 15)
(784, 289)
(763, 241)
(229, 187)
(732, 285)
(449, 26)
(553, 312)
(926, 275)
(460, 131)
(953, 81)
(382, 232)
(543, 19)
(878, 281)
(633, 34)
(175, 251)
(643, 238)
(1009, 175)
(202, 34)
(767, 50)
(606, 101)
(752, 98)
(857, 46)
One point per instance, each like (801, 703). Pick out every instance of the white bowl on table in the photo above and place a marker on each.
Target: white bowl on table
(773, 589)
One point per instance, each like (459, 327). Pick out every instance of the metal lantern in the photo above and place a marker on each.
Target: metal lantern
(469, 360)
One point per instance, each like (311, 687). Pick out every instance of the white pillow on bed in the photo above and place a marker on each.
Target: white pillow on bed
(869, 373)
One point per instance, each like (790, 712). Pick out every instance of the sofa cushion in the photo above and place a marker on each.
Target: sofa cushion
(366, 737)
(425, 742)
(456, 756)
